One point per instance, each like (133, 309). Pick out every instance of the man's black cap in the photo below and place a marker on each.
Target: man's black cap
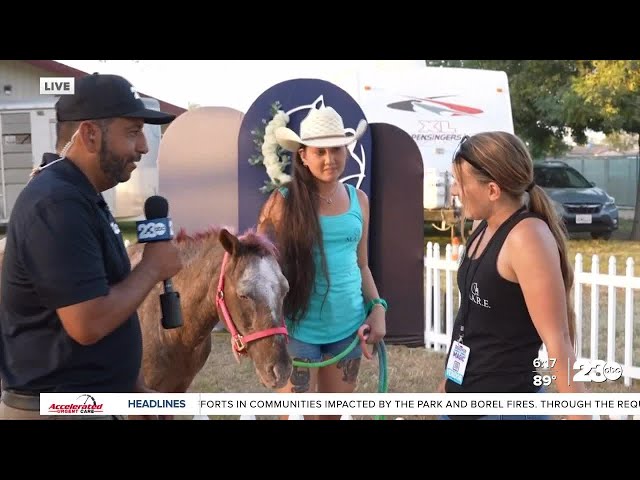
(101, 96)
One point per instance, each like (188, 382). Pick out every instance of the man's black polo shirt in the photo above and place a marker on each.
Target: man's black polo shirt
(63, 247)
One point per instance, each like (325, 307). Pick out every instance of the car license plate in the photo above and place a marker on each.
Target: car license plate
(583, 218)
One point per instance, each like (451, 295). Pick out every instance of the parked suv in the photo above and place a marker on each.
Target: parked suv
(583, 206)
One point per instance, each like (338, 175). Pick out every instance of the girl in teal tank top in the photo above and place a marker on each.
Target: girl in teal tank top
(336, 308)
(321, 227)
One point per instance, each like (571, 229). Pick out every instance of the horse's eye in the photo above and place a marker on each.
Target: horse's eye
(243, 297)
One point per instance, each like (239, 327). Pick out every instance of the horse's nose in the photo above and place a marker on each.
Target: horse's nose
(281, 372)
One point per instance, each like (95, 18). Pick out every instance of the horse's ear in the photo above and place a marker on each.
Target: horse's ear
(229, 242)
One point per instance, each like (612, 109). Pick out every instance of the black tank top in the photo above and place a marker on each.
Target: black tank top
(494, 320)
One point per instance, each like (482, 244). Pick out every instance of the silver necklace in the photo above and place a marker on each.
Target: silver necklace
(329, 200)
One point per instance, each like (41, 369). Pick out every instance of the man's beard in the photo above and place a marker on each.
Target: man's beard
(114, 166)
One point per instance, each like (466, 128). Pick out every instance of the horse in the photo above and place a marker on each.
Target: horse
(236, 279)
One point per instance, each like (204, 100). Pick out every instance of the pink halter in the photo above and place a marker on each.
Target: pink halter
(239, 342)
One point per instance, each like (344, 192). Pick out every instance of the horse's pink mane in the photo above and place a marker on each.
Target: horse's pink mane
(258, 243)
(183, 236)
(251, 240)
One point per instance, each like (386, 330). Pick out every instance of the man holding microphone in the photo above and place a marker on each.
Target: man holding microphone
(68, 320)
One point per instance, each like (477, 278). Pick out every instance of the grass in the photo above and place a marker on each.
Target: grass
(409, 370)
(419, 370)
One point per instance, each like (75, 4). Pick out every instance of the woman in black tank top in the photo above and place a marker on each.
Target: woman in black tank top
(514, 278)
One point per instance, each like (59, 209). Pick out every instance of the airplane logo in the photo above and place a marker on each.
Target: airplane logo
(432, 105)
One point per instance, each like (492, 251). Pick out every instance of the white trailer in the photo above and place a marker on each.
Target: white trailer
(28, 130)
(437, 107)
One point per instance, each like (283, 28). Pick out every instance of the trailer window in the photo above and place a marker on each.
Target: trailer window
(17, 139)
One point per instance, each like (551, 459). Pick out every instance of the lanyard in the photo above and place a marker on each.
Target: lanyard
(466, 283)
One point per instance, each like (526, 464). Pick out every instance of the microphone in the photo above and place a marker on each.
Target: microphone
(158, 228)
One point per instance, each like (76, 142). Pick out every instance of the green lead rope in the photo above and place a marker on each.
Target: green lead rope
(382, 364)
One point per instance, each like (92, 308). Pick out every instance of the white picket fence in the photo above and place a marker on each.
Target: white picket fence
(440, 309)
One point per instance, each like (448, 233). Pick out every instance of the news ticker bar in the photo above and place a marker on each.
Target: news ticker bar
(406, 404)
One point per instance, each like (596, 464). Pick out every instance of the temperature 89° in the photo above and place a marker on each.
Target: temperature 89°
(540, 380)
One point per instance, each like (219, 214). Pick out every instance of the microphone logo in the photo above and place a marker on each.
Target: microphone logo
(157, 226)
(154, 230)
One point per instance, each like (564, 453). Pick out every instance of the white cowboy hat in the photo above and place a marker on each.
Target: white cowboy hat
(321, 128)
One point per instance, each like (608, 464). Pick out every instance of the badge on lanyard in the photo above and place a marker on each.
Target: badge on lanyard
(457, 363)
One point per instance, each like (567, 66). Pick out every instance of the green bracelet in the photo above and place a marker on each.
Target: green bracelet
(377, 301)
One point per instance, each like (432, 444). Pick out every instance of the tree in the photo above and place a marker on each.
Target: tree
(613, 87)
(621, 141)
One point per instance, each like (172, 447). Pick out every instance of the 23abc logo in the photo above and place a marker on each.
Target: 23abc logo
(151, 230)
(597, 371)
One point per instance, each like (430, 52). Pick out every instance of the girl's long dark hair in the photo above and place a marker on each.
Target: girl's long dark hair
(299, 239)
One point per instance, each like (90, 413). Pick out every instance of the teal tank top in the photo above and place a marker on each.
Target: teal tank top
(337, 309)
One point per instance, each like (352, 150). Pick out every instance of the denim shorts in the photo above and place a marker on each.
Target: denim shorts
(317, 352)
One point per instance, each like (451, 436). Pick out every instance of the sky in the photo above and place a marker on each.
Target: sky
(229, 83)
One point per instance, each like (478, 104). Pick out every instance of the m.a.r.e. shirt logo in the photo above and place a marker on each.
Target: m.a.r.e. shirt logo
(57, 85)
(84, 404)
